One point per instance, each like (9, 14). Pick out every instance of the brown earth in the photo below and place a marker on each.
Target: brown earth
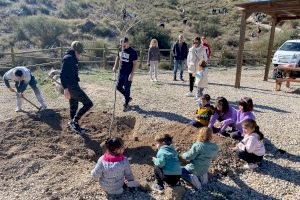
(40, 157)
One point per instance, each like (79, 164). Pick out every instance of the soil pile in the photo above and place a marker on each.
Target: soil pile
(42, 158)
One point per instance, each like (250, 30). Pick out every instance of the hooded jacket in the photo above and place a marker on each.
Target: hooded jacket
(200, 156)
(69, 72)
(167, 159)
(180, 53)
(194, 56)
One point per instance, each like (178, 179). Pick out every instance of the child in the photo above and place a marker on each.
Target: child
(167, 166)
(244, 112)
(196, 52)
(204, 112)
(199, 157)
(153, 59)
(204, 43)
(251, 148)
(225, 114)
(112, 169)
(201, 78)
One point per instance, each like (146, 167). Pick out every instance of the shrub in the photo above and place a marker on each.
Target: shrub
(210, 30)
(4, 2)
(233, 41)
(165, 66)
(72, 10)
(24, 11)
(103, 31)
(145, 31)
(45, 30)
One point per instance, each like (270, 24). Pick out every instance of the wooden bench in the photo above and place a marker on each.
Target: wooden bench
(286, 77)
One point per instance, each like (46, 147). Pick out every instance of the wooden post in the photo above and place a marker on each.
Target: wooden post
(241, 49)
(141, 58)
(171, 59)
(13, 61)
(270, 47)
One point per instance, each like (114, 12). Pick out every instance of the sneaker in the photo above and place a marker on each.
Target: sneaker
(182, 79)
(250, 166)
(174, 79)
(126, 108)
(18, 110)
(189, 94)
(196, 97)
(130, 99)
(157, 188)
(195, 181)
(75, 126)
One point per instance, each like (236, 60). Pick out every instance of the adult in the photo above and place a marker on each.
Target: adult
(22, 78)
(72, 91)
(127, 59)
(295, 64)
(204, 42)
(180, 52)
(196, 53)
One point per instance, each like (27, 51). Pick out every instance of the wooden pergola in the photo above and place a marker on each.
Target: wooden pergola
(279, 10)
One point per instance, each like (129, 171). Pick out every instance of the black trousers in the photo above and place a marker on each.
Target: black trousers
(160, 177)
(124, 86)
(192, 81)
(249, 157)
(78, 95)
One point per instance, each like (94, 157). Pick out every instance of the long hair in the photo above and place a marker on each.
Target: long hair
(153, 43)
(246, 103)
(223, 103)
(250, 123)
(205, 134)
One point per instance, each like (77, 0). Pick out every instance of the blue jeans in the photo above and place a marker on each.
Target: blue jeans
(178, 65)
(185, 174)
(124, 86)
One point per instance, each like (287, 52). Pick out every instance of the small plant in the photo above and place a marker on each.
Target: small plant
(165, 66)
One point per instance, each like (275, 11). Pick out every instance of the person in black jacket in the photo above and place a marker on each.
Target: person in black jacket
(72, 91)
(180, 52)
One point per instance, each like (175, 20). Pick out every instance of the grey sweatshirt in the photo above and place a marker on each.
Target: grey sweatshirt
(10, 75)
(153, 54)
(111, 175)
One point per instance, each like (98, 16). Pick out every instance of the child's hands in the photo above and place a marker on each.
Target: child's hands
(153, 159)
(233, 149)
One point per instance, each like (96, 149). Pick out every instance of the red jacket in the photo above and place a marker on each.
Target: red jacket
(209, 49)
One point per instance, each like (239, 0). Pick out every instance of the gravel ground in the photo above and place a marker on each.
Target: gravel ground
(160, 104)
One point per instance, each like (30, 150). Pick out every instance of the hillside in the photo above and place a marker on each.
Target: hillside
(27, 24)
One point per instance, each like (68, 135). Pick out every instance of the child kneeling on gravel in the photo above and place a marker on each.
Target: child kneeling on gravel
(251, 148)
(203, 113)
(112, 169)
(167, 166)
(199, 158)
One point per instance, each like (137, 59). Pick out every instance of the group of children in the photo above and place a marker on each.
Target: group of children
(113, 170)
(238, 124)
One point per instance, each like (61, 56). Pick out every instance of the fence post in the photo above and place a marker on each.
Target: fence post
(171, 59)
(104, 57)
(13, 61)
(141, 58)
(61, 51)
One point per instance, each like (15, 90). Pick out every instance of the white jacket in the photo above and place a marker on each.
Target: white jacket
(194, 56)
(201, 79)
(252, 144)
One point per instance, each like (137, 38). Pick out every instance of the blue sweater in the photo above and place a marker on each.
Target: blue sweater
(167, 159)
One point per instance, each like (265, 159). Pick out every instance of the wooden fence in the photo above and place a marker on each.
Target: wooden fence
(104, 57)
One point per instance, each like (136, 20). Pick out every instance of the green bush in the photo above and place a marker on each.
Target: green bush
(145, 31)
(210, 30)
(44, 31)
(165, 66)
(103, 31)
(72, 10)
(4, 2)
(233, 41)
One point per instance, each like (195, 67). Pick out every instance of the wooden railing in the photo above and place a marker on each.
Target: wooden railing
(105, 57)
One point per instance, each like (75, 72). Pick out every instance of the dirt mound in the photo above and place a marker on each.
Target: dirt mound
(42, 158)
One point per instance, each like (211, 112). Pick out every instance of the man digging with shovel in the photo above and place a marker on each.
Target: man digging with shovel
(22, 78)
(72, 91)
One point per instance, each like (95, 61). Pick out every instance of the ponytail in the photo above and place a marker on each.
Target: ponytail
(261, 135)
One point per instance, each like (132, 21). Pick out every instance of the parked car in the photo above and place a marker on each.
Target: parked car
(288, 53)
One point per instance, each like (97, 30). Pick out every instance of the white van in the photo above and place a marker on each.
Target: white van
(287, 53)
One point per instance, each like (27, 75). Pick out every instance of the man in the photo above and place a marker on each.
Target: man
(22, 78)
(180, 52)
(128, 65)
(72, 91)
